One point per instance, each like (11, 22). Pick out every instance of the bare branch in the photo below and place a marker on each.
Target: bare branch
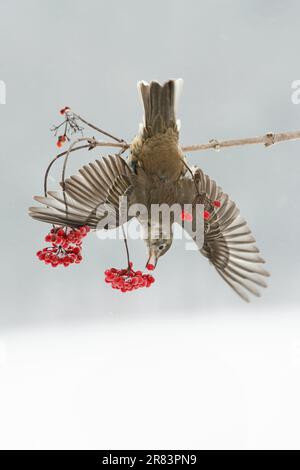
(92, 126)
(267, 140)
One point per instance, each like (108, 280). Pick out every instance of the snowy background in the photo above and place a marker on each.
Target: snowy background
(185, 364)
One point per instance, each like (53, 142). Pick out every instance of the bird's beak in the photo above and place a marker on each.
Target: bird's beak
(152, 261)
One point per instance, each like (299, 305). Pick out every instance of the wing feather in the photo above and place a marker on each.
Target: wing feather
(88, 196)
(228, 241)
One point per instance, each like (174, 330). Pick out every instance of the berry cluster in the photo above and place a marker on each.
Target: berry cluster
(127, 279)
(69, 124)
(66, 246)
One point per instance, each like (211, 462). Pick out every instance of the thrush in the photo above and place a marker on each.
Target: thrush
(156, 173)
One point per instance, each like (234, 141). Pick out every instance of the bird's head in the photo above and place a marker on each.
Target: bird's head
(157, 232)
(157, 247)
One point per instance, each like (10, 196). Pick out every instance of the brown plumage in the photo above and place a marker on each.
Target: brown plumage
(156, 149)
(155, 173)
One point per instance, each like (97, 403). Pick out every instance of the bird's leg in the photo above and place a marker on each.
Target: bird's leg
(192, 175)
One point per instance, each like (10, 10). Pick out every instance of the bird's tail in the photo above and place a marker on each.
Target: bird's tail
(159, 106)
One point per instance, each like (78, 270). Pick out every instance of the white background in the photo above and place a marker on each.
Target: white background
(211, 381)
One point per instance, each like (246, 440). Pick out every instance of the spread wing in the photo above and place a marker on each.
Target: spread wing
(89, 197)
(228, 242)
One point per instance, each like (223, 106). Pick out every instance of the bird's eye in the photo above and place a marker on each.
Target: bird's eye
(161, 247)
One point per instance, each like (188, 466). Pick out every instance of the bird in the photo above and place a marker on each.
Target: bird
(154, 173)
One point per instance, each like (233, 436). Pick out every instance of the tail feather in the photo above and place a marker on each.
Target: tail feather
(159, 105)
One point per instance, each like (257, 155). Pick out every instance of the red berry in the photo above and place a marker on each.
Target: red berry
(64, 110)
(61, 140)
(186, 216)
(217, 203)
(206, 215)
(150, 267)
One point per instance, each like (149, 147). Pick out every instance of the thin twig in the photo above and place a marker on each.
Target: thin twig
(126, 247)
(117, 139)
(267, 140)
